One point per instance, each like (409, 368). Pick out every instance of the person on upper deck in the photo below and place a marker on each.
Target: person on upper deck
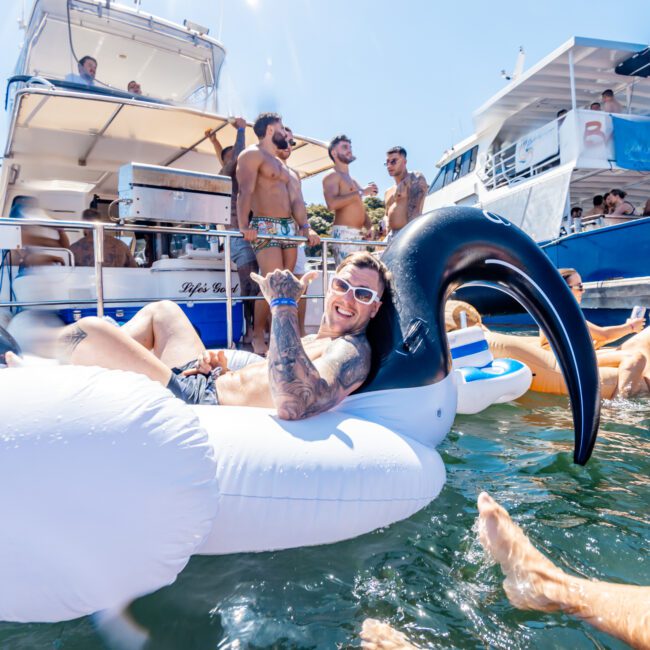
(405, 199)
(610, 103)
(116, 253)
(87, 67)
(620, 210)
(134, 88)
(595, 106)
(344, 196)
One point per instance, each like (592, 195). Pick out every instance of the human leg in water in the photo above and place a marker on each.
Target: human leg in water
(534, 582)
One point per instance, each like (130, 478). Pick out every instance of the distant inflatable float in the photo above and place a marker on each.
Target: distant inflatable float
(547, 374)
(108, 484)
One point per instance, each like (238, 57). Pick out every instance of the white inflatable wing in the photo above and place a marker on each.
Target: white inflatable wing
(322, 480)
(107, 487)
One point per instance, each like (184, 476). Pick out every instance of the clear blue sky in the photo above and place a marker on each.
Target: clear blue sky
(384, 73)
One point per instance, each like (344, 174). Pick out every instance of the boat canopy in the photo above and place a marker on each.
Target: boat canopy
(171, 63)
(60, 138)
(534, 98)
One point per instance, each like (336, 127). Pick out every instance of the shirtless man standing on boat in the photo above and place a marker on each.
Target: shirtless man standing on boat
(300, 378)
(405, 199)
(344, 196)
(266, 189)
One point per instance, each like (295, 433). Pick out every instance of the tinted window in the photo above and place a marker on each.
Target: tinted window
(472, 162)
(464, 162)
(438, 181)
(457, 164)
(449, 172)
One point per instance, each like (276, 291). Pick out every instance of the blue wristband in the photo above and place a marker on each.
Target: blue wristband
(276, 302)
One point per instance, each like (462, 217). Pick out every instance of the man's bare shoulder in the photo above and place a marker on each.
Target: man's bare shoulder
(294, 174)
(251, 153)
(349, 357)
(332, 177)
(417, 178)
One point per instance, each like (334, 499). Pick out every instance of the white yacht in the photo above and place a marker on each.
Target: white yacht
(69, 138)
(540, 149)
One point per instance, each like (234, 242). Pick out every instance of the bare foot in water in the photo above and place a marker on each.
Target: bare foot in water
(532, 580)
(381, 636)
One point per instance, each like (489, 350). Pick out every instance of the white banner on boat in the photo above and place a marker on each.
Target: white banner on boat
(537, 146)
(595, 139)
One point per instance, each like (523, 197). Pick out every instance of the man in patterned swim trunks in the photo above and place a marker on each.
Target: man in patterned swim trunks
(344, 197)
(266, 191)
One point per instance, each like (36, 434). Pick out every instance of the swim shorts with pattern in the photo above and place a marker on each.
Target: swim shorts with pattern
(281, 226)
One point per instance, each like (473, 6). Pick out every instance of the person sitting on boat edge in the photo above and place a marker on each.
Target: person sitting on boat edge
(300, 378)
(87, 66)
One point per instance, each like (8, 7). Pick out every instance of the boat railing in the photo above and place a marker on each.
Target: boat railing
(592, 221)
(501, 168)
(99, 229)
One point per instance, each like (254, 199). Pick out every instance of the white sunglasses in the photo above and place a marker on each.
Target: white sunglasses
(361, 294)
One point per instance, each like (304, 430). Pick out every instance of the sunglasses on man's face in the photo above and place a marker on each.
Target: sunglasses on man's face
(361, 294)
(392, 161)
(292, 143)
(577, 287)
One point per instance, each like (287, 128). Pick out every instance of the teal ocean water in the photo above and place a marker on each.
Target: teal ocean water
(427, 576)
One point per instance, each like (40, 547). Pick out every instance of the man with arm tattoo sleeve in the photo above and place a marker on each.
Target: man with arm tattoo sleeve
(300, 378)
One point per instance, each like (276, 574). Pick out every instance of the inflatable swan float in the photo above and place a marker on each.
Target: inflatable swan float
(108, 484)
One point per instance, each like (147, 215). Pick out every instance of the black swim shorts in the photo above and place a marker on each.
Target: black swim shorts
(194, 389)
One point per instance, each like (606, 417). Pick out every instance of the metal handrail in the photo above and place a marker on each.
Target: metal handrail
(98, 251)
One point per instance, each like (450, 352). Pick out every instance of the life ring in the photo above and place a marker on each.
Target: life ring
(108, 484)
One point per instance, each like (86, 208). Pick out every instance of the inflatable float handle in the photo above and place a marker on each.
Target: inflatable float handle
(448, 248)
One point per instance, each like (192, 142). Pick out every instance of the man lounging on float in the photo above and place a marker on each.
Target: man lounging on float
(300, 378)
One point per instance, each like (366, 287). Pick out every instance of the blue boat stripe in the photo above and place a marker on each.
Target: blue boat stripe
(469, 348)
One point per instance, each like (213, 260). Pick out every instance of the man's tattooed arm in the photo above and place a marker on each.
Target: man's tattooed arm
(417, 190)
(302, 388)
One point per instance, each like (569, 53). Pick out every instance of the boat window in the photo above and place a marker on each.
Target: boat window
(449, 172)
(472, 162)
(438, 181)
(464, 163)
(457, 167)
(168, 65)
